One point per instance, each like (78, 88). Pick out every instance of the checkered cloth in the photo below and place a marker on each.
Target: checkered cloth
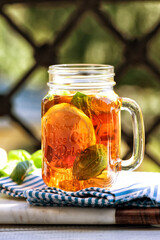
(137, 194)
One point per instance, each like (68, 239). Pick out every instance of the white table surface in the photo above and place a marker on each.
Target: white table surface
(36, 232)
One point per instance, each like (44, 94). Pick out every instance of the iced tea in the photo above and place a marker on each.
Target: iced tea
(80, 140)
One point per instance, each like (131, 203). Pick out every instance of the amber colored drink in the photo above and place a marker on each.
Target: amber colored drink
(80, 140)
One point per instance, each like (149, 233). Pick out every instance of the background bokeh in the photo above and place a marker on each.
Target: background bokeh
(34, 36)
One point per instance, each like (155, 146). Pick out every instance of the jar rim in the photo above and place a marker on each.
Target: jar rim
(81, 75)
(79, 66)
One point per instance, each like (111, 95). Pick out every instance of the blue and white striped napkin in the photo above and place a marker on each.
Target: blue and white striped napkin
(37, 193)
(11, 188)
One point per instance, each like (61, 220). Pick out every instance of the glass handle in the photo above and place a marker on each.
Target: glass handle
(138, 134)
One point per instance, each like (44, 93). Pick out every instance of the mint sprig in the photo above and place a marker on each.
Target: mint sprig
(83, 102)
(21, 171)
(19, 163)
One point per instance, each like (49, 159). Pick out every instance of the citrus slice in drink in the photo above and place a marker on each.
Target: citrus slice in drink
(66, 131)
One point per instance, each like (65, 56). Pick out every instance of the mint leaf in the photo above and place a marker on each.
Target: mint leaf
(37, 158)
(21, 170)
(91, 162)
(82, 102)
(20, 155)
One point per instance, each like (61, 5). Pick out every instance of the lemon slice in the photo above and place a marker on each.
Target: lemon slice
(67, 130)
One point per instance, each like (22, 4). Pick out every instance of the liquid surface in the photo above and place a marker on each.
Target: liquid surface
(80, 141)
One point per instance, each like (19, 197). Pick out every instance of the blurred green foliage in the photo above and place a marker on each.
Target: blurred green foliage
(89, 43)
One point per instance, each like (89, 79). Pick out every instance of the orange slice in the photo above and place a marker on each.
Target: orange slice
(67, 131)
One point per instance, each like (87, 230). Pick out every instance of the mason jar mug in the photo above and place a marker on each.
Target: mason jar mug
(81, 128)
